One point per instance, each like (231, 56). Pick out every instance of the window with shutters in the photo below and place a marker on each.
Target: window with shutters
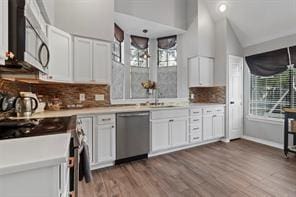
(269, 95)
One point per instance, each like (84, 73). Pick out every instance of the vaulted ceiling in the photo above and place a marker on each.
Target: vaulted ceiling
(256, 21)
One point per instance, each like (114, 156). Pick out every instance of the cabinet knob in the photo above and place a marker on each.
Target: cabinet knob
(112, 126)
(50, 77)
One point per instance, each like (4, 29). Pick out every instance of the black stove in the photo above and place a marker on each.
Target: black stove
(36, 127)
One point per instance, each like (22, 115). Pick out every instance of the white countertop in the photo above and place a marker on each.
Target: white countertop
(23, 154)
(105, 110)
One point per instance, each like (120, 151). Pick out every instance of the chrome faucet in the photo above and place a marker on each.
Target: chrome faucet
(156, 92)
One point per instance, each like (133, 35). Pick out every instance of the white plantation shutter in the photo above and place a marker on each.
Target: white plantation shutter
(269, 95)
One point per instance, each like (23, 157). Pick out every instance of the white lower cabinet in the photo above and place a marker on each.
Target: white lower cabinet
(46, 182)
(160, 132)
(218, 125)
(179, 132)
(213, 123)
(207, 122)
(167, 131)
(101, 138)
(104, 143)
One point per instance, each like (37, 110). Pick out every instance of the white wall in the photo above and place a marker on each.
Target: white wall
(227, 43)
(263, 130)
(167, 12)
(89, 18)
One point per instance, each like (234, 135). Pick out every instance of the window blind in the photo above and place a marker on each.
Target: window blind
(269, 95)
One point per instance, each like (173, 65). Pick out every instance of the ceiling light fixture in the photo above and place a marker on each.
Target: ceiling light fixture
(222, 7)
(146, 54)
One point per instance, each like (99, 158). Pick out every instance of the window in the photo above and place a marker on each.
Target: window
(269, 95)
(136, 59)
(118, 45)
(167, 51)
(117, 51)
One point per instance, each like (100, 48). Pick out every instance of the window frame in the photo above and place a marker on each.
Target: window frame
(121, 48)
(167, 57)
(139, 53)
(258, 118)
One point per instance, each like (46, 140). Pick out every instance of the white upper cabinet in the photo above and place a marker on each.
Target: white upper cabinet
(206, 68)
(88, 18)
(201, 72)
(61, 64)
(82, 60)
(92, 61)
(101, 62)
(3, 29)
(193, 72)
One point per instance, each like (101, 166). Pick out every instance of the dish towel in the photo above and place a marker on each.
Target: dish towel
(84, 163)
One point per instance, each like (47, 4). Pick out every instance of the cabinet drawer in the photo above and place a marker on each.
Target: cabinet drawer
(208, 111)
(106, 119)
(195, 137)
(219, 110)
(164, 114)
(195, 128)
(195, 120)
(196, 112)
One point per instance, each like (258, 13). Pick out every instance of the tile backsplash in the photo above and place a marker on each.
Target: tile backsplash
(209, 94)
(67, 93)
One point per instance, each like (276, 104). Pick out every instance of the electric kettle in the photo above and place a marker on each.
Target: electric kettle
(26, 104)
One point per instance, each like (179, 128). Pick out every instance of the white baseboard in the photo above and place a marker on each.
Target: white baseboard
(265, 142)
(182, 148)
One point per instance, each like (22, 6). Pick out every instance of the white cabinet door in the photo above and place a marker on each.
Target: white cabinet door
(193, 72)
(208, 127)
(179, 132)
(160, 137)
(60, 45)
(83, 50)
(3, 30)
(101, 62)
(218, 126)
(87, 126)
(104, 143)
(206, 66)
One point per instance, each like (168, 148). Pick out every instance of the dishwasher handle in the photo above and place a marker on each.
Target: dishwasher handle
(133, 114)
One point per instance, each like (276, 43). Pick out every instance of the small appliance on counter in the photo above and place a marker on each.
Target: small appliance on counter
(26, 104)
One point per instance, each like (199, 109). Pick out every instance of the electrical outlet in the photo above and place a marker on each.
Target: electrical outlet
(192, 96)
(99, 97)
(82, 97)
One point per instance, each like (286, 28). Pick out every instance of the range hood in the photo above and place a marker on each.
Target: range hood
(26, 40)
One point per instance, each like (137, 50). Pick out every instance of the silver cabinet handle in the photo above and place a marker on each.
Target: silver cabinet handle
(196, 138)
(196, 128)
(106, 119)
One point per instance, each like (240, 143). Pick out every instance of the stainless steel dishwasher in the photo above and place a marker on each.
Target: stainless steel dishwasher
(132, 136)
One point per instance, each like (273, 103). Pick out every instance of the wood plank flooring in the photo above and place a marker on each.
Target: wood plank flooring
(240, 168)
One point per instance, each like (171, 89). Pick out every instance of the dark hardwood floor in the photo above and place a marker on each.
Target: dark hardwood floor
(240, 168)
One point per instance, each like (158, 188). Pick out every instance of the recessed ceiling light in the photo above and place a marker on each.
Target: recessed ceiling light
(222, 7)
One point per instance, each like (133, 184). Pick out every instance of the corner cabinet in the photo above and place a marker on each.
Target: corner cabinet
(61, 64)
(201, 72)
(92, 61)
(3, 30)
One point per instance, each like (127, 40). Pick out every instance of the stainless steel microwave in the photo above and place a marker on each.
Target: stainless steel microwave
(27, 38)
